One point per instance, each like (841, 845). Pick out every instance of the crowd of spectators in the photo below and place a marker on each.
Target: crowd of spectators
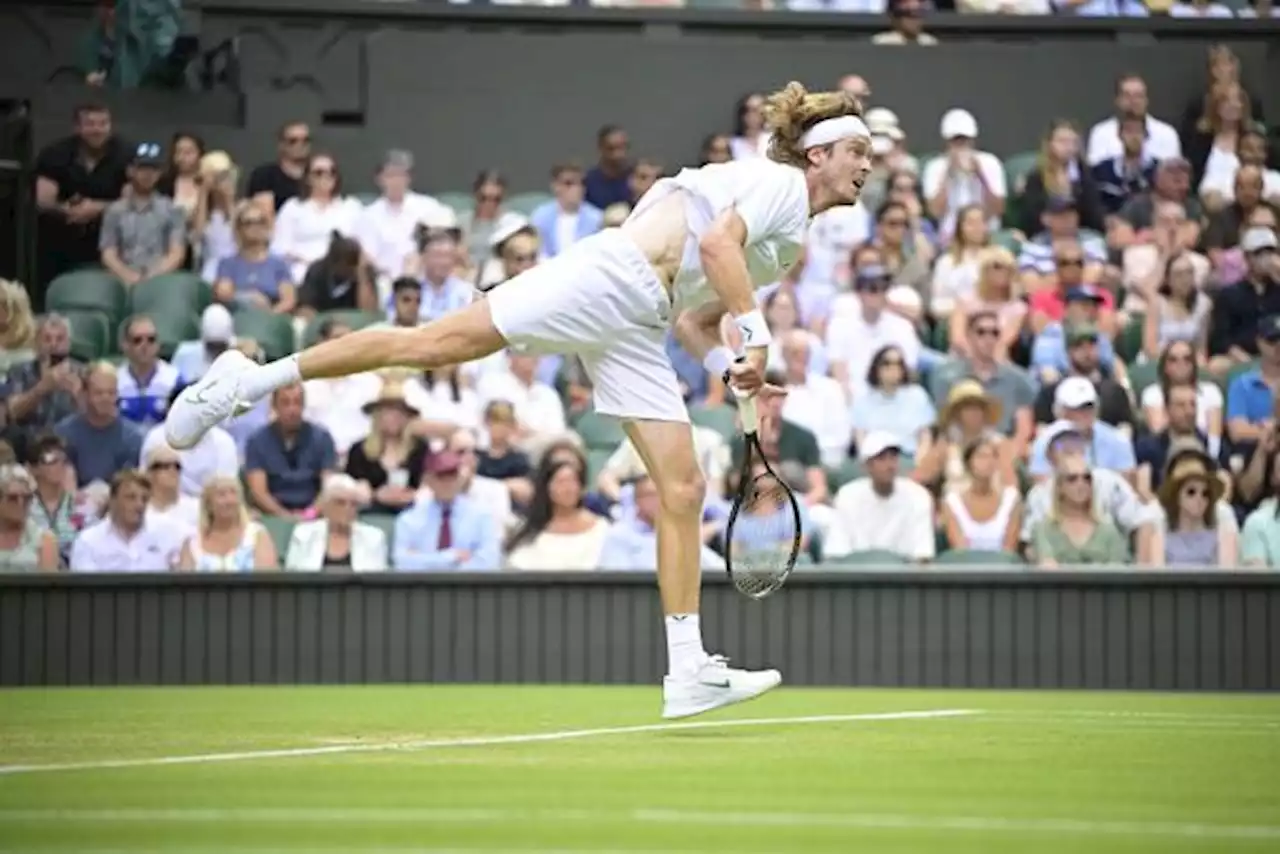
(1064, 357)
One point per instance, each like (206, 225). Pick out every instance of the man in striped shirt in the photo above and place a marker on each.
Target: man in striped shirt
(146, 383)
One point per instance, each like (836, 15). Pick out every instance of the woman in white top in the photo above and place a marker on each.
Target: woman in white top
(338, 542)
(447, 401)
(169, 510)
(1178, 365)
(1178, 311)
(982, 517)
(560, 533)
(955, 276)
(227, 540)
(749, 136)
(305, 225)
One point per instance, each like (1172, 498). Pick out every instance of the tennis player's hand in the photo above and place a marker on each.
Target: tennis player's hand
(746, 378)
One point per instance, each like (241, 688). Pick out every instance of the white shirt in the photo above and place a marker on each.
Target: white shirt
(832, 236)
(963, 188)
(1220, 177)
(214, 454)
(103, 548)
(437, 403)
(773, 201)
(1188, 10)
(537, 406)
(304, 229)
(566, 230)
(338, 404)
(1208, 399)
(854, 340)
(549, 551)
(1104, 141)
(952, 283)
(175, 523)
(385, 231)
(987, 535)
(820, 407)
(900, 523)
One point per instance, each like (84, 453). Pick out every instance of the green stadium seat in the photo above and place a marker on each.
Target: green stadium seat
(273, 332)
(599, 432)
(169, 292)
(596, 459)
(88, 290)
(976, 557)
(1008, 238)
(1016, 169)
(524, 203)
(90, 334)
(1141, 375)
(872, 557)
(460, 202)
(353, 318)
(281, 529)
(1237, 370)
(384, 522)
(1129, 341)
(940, 337)
(365, 198)
(722, 419)
(848, 470)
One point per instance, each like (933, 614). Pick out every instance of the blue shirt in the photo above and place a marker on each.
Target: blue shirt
(1248, 397)
(144, 401)
(97, 453)
(633, 545)
(1109, 449)
(263, 276)
(603, 191)
(688, 369)
(904, 414)
(452, 295)
(293, 473)
(768, 532)
(472, 528)
(1049, 350)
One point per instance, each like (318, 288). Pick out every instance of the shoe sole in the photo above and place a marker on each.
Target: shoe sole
(733, 701)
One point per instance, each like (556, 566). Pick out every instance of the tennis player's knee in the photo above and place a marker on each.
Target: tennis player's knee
(683, 492)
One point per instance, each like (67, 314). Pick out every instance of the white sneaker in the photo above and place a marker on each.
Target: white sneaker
(212, 399)
(713, 685)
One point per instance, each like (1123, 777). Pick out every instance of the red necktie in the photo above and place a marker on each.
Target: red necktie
(446, 530)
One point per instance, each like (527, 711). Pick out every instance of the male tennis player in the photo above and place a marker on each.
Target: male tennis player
(695, 247)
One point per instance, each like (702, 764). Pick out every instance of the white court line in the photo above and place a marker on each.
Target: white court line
(666, 817)
(477, 741)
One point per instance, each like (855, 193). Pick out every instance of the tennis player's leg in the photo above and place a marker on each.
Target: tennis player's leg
(634, 381)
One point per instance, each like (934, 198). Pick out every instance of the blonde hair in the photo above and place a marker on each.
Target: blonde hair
(15, 305)
(243, 207)
(1055, 183)
(986, 258)
(1055, 507)
(206, 499)
(791, 111)
(374, 445)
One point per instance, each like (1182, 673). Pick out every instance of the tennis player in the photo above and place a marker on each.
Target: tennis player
(695, 248)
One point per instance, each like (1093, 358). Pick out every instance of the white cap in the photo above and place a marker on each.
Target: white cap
(881, 119)
(1258, 238)
(440, 216)
(1075, 393)
(508, 225)
(216, 325)
(1057, 430)
(959, 122)
(881, 145)
(876, 443)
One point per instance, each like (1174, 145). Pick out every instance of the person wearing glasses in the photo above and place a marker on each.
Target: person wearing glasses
(145, 383)
(863, 324)
(53, 505)
(1040, 263)
(337, 542)
(24, 545)
(255, 276)
(1074, 533)
(169, 507)
(273, 184)
(305, 224)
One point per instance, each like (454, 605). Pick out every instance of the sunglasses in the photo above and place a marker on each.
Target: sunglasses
(1078, 477)
(987, 332)
(168, 465)
(143, 339)
(1068, 262)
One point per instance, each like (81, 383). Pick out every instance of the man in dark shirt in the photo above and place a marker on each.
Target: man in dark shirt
(609, 182)
(99, 442)
(1171, 182)
(1152, 450)
(286, 461)
(1226, 225)
(1237, 307)
(273, 184)
(76, 178)
(1114, 407)
(1121, 178)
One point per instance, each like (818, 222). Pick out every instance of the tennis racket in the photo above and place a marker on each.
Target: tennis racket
(763, 537)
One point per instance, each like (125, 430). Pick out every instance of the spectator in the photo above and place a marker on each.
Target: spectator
(1231, 265)
(1084, 361)
(1260, 537)
(192, 359)
(904, 189)
(1060, 173)
(1130, 172)
(955, 275)
(226, 538)
(1171, 183)
(169, 509)
(644, 175)
(181, 179)
(566, 219)
(338, 281)
(449, 530)
(1218, 187)
(490, 494)
(1251, 399)
(99, 442)
(488, 192)
(388, 464)
(305, 224)
(123, 541)
(608, 182)
(893, 403)
(442, 292)
(273, 184)
(814, 401)
(716, 148)
(1052, 347)
(1226, 227)
(143, 234)
(781, 312)
(386, 228)
(17, 326)
(255, 276)
(792, 450)
(337, 541)
(443, 394)
(501, 460)
(25, 546)
(963, 175)
(212, 230)
(996, 293)
(907, 20)
(42, 392)
(53, 502)
(1179, 312)
(515, 248)
(147, 382)
(76, 178)
(1146, 264)
(1177, 365)
(1049, 304)
(1131, 101)
(559, 533)
(1194, 536)
(1075, 401)
(833, 236)
(1233, 325)
(968, 416)
(337, 404)
(768, 526)
(1006, 383)
(882, 511)
(907, 254)
(1074, 533)
(286, 461)
(538, 408)
(750, 138)
(215, 454)
(983, 516)
(860, 326)
(1037, 262)
(1212, 147)
(632, 542)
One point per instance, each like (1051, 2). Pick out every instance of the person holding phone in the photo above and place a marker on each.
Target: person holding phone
(42, 392)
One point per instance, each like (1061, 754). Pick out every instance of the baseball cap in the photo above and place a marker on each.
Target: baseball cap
(216, 325)
(1083, 293)
(1075, 393)
(1269, 327)
(1082, 332)
(509, 225)
(1259, 239)
(881, 145)
(445, 462)
(1060, 430)
(147, 154)
(959, 123)
(876, 443)
(880, 119)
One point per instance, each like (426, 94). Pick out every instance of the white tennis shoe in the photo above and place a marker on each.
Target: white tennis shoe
(209, 401)
(713, 685)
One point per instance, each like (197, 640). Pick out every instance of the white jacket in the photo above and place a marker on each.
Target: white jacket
(310, 541)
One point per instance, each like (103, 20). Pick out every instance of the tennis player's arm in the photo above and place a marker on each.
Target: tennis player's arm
(725, 263)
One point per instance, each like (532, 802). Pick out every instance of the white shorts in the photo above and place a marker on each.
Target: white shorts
(602, 301)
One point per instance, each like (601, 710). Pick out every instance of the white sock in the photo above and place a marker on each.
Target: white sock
(264, 379)
(684, 644)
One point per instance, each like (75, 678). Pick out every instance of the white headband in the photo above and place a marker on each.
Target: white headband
(830, 130)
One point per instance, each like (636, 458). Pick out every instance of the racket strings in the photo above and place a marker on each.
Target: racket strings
(762, 541)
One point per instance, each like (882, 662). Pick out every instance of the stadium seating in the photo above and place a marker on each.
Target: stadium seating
(281, 529)
(524, 203)
(91, 290)
(977, 557)
(869, 558)
(460, 202)
(722, 419)
(90, 334)
(272, 332)
(599, 432)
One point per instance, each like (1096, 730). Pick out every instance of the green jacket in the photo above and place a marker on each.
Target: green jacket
(141, 40)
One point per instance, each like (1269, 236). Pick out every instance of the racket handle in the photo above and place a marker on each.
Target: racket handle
(750, 417)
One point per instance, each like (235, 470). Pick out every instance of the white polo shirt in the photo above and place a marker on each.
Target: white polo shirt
(1104, 141)
(104, 548)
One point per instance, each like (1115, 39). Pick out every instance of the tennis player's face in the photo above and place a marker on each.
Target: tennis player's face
(846, 167)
